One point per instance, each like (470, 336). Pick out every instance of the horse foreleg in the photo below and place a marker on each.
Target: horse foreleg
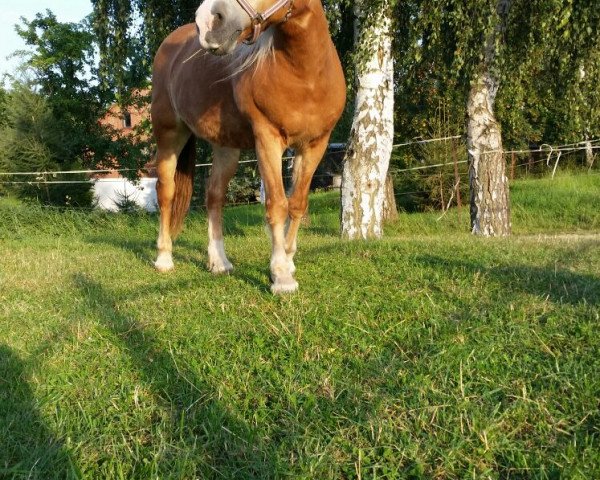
(225, 163)
(166, 166)
(305, 164)
(269, 151)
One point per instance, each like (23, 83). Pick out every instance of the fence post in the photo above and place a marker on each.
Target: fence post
(556, 165)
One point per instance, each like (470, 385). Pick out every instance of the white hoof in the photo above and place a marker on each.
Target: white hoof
(164, 263)
(218, 263)
(284, 286)
(220, 268)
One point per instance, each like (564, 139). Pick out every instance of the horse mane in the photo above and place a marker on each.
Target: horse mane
(248, 56)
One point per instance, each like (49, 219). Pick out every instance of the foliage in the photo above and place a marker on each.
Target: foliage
(33, 139)
(549, 93)
(126, 203)
(245, 186)
(543, 96)
(548, 61)
(124, 47)
(428, 355)
(542, 51)
(65, 133)
(61, 55)
(3, 102)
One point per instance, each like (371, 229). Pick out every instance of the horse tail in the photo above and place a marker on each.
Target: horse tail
(184, 186)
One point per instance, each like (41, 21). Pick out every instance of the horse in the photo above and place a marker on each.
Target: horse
(249, 74)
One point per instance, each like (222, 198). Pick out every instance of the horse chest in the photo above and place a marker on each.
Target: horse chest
(299, 109)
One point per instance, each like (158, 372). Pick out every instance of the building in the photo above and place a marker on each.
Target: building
(111, 190)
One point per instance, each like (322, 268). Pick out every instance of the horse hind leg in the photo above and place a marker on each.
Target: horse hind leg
(305, 165)
(170, 147)
(293, 225)
(225, 163)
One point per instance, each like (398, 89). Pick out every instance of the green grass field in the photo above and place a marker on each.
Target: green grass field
(430, 354)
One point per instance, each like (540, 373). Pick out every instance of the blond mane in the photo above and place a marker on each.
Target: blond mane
(249, 56)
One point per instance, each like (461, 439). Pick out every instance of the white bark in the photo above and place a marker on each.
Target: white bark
(589, 154)
(490, 213)
(370, 145)
(490, 207)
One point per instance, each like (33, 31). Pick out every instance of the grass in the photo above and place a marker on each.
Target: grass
(430, 354)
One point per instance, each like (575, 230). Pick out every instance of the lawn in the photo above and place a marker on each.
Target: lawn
(429, 354)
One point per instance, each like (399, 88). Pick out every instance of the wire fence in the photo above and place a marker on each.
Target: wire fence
(552, 153)
(542, 149)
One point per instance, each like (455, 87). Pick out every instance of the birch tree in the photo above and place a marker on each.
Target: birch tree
(490, 207)
(370, 144)
(536, 57)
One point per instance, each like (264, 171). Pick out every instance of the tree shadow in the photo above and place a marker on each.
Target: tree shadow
(557, 284)
(187, 253)
(227, 446)
(237, 219)
(145, 250)
(27, 447)
(257, 278)
(323, 230)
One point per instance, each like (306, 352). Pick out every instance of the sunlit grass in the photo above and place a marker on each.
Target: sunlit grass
(430, 354)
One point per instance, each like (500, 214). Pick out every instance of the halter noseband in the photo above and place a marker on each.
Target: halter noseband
(259, 18)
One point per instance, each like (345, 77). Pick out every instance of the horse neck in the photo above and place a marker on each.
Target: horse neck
(304, 39)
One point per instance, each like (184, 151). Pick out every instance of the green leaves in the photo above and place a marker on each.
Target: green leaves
(541, 49)
(51, 122)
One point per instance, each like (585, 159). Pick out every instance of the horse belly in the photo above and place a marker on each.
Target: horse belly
(216, 121)
(222, 128)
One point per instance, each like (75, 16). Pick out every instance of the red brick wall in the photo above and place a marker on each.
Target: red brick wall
(114, 118)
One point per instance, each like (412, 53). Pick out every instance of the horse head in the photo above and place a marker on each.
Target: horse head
(223, 24)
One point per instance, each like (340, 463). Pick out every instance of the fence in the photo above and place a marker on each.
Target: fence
(144, 192)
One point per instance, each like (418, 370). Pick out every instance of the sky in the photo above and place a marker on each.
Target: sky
(12, 10)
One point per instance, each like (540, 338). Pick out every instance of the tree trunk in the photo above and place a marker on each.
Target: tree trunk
(490, 210)
(589, 155)
(370, 144)
(390, 210)
(490, 207)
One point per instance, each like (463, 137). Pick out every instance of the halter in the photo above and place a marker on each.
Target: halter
(259, 18)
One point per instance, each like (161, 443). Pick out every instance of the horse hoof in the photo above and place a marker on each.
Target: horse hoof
(220, 269)
(164, 268)
(164, 263)
(284, 287)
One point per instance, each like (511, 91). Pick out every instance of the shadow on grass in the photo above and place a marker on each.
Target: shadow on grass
(237, 219)
(186, 253)
(236, 223)
(217, 445)
(27, 448)
(145, 250)
(558, 284)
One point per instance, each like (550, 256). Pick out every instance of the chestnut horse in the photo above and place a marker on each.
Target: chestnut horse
(241, 79)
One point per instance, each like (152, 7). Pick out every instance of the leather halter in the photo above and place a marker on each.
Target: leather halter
(259, 18)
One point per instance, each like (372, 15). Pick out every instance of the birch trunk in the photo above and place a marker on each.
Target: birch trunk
(589, 154)
(490, 207)
(370, 144)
